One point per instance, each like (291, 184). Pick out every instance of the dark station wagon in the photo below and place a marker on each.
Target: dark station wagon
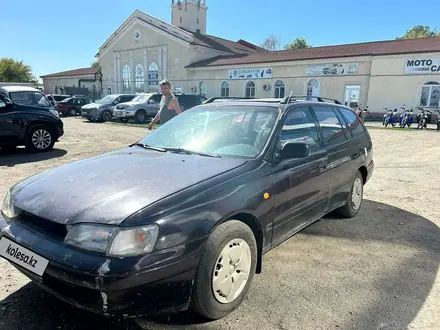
(183, 217)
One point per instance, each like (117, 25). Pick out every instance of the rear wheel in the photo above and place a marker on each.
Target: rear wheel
(354, 199)
(40, 138)
(226, 269)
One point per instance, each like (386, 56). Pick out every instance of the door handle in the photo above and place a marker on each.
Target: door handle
(356, 155)
(323, 167)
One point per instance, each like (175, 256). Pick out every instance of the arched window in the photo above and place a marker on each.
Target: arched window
(126, 79)
(250, 89)
(225, 89)
(280, 89)
(153, 77)
(139, 78)
(313, 87)
(430, 94)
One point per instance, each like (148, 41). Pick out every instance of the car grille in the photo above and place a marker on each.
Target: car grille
(46, 227)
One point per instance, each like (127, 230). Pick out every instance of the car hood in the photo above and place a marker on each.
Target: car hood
(109, 188)
(93, 106)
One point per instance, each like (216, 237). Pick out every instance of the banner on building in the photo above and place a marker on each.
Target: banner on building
(332, 69)
(153, 77)
(422, 66)
(251, 73)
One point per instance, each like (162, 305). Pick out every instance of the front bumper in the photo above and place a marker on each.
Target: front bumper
(90, 114)
(160, 282)
(121, 113)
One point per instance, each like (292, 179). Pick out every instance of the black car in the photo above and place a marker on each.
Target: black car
(188, 101)
(183, 217)
(27, 118)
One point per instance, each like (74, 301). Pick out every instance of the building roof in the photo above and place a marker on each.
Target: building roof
(76, 72)
(375, 48)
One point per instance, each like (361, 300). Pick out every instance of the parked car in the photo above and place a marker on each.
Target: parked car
(182, 217)
(139, 109)
(55, 98)
(72, 105)
(102, 110)
(187, 101)
(224, 99)
(27, 118)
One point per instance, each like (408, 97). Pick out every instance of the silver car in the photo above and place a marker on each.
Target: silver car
(102, 109)
(140, 108)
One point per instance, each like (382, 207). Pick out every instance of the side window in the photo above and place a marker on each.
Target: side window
(299, 126)
(353, 122)
(127, 98)
(331, 127)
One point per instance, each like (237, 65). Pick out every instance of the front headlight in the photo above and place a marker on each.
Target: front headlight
(8, 208)
(115, 242)
(55, 113)
(129, 108)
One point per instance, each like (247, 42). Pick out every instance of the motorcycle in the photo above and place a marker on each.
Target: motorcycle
(406, 118)
(423, 119)
(390, 117)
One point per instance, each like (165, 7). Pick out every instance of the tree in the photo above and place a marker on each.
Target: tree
(95, 64)
(15, 71)
(271, 43)
(420, 31)
(298, 43)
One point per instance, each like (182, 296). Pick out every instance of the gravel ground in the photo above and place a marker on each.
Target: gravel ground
(376, 271)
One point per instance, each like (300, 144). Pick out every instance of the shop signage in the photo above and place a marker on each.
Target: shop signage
(153, 77)
(332, 69)
(430, 65)
(251, 73)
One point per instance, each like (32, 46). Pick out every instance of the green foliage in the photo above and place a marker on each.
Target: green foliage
(298, 43)
(95, 64)
(15, 71)
(420, 31)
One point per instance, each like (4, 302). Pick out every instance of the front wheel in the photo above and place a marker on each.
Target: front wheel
(106, 116)
(140, 117)
(40, 138)
(226, 269)
(72, 112)
(354, 199)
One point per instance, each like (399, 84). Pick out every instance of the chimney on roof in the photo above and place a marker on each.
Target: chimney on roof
(189, 15)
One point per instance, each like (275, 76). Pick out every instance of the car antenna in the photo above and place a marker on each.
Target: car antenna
(290, 96)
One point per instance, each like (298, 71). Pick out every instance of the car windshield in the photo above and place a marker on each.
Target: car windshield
(141, 98)
(30, 98)
(235, 131)
(107, 99)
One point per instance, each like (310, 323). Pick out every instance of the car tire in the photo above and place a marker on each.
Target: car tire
(209, 297)
(72, 112)
(355, 198)
(106, 116)
(40, 138)
(140, 117)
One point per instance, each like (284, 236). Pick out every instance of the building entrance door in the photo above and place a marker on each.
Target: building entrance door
(352, 93)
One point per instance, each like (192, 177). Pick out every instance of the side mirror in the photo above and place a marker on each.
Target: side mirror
(294, 150)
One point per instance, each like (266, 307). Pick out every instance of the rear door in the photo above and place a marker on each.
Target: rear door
(336, 141)
(301, 185)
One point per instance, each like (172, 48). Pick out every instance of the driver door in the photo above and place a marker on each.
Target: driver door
(10, 127)
(301, 185)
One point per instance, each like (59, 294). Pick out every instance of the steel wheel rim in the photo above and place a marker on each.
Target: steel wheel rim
(356, 194)
(231, 271)
(41, 139)
(141, 117)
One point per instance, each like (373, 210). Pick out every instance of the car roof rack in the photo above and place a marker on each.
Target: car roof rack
(292, 98)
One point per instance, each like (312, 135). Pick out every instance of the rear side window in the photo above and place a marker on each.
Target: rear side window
(353, 122)
(331, 127)
(299, 126)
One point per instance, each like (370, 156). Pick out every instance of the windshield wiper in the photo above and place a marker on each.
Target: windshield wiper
(191, 152)
(146, 146)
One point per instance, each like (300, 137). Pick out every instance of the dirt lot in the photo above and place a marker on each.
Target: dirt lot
(377, 271)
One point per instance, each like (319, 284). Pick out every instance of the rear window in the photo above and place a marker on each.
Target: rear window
(30, 98)
(353, 122)
(59, 98)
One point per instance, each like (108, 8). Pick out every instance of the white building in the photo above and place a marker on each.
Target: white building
(145, 50)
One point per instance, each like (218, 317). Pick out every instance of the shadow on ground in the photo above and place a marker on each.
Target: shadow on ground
(22, 156)
(373, 271)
